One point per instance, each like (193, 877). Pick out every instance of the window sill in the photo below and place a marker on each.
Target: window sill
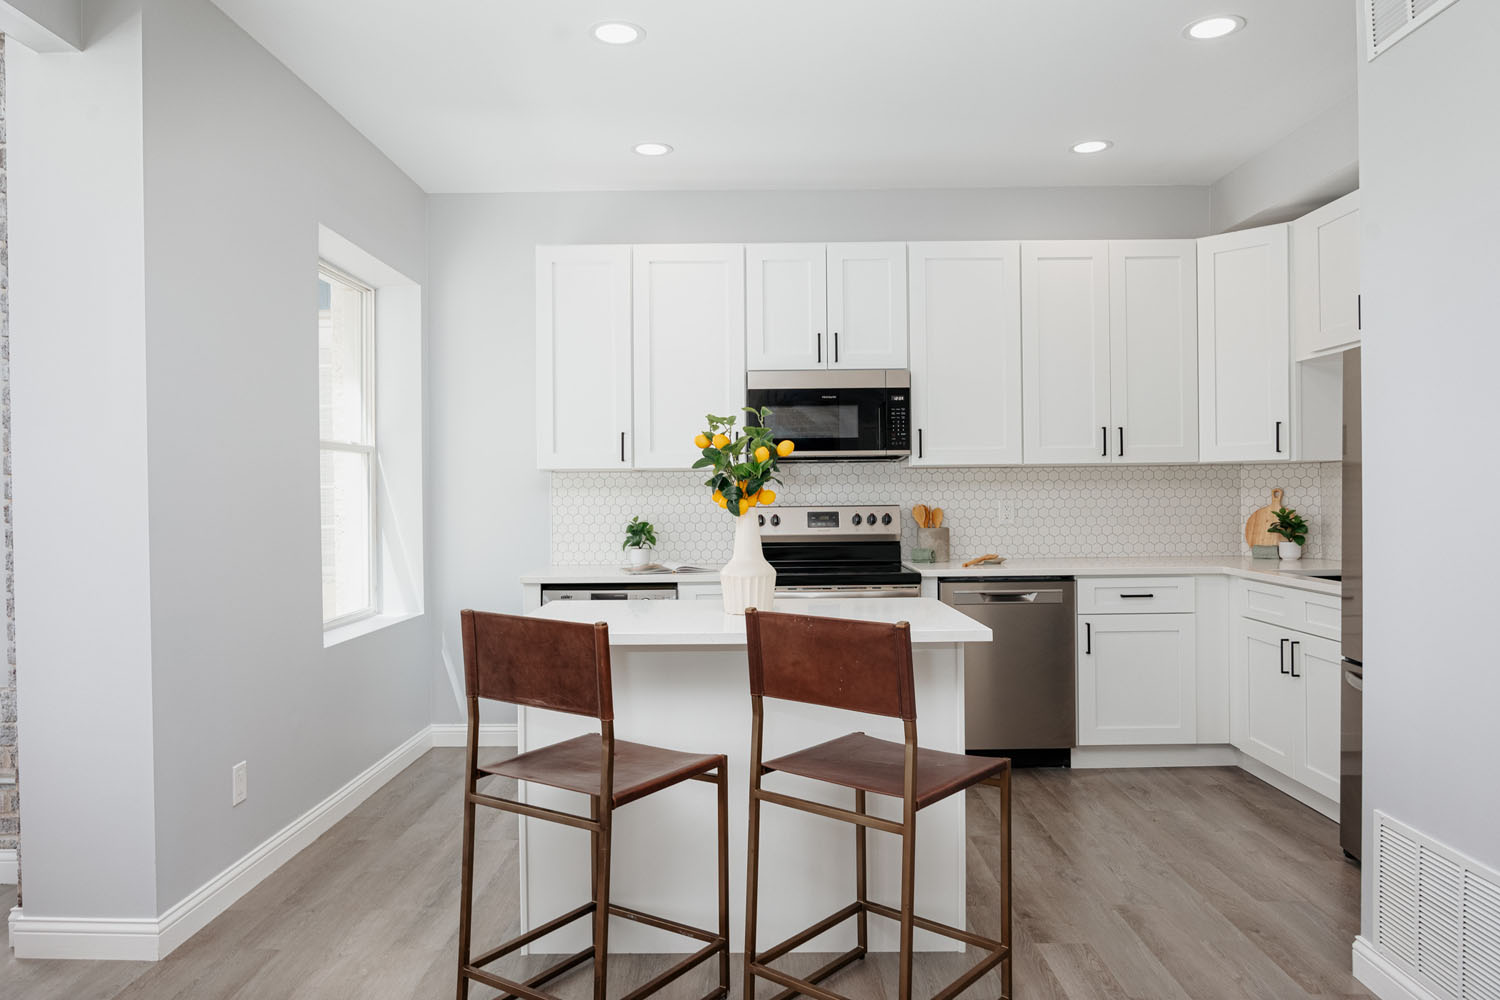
(334, 636)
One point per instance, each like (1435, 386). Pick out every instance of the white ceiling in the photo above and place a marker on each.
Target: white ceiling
(516, 95)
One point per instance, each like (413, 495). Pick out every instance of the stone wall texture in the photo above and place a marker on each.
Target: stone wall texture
(10, 807)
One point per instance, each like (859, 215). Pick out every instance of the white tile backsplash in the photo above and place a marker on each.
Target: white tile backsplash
(1058, 511)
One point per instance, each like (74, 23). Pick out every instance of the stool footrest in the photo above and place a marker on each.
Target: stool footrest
(774, 952)
(692, 961)
(536, 932)
(662, 923)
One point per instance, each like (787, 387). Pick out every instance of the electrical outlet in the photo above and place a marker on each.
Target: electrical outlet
(1006, 513)
(241, 779)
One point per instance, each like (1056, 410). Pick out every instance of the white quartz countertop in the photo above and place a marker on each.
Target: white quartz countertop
(1300, 574)
(704, 623)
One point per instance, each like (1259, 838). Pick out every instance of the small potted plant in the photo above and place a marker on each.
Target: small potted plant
(640, 539)
(1290, 526)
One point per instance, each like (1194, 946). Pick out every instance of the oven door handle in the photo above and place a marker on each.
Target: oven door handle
(820, 593)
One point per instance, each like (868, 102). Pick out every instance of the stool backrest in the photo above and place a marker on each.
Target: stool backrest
(859, 666)
(561, 666)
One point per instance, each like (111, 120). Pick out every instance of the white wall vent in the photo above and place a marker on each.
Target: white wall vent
(1389, 21)
(1437, 912)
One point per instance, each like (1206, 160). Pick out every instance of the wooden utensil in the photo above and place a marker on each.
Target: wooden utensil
(936, 520)
(989, 557)
(1257, 523)
(919, 514)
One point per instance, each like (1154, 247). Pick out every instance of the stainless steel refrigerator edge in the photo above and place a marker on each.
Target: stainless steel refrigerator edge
(1019, 689)
(1351, 765)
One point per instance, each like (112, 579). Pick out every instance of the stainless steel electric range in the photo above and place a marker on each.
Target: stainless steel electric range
(842, 551)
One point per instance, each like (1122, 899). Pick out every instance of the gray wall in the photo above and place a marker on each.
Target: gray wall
(1310, 167)
(494, 503)
(1429, 257)
(9, 806)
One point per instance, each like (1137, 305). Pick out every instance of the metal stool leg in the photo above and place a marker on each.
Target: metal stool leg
(752, 865)
(861, 887)
(1005, 967)
(724, 877)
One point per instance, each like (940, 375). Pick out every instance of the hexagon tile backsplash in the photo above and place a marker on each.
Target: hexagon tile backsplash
(1058, 511)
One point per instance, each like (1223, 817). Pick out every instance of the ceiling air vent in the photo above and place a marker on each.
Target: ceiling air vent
(1389, 21)
(1437, 912)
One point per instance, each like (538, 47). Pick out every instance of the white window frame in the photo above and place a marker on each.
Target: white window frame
(367, 447)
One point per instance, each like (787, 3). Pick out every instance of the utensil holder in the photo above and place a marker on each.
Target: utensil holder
(935, 539)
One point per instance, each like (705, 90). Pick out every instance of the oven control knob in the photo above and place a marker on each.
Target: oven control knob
(886, 519)
(762, 519)
(871, 519)
(858, 520)
(775, 520)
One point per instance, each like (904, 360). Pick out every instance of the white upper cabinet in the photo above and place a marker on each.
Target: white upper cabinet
(1244, 346)
(1065, 352)
(786, 306)
(583, 357)
(689, 357)
(1325, 279)
(1153, 350)
(965, 353)
(866, 305)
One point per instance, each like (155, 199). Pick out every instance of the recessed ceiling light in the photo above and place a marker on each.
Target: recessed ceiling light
(618, 32)
(653, 149)
(1215, 27)
(1092, 146)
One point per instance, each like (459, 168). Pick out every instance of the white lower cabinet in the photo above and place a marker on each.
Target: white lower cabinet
(1137, 679)
(1285, 702)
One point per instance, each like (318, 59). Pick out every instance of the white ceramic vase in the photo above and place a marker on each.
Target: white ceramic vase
(1289, 551)
(639, 557)
(747, 579)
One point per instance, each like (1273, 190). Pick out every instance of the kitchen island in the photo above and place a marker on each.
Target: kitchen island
(681, 681)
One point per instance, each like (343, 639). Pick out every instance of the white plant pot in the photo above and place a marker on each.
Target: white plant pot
(1289, 551)
(639, 557)
(748, 580)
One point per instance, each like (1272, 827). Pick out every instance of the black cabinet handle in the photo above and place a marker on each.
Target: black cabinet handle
(919, 442)
(1088, 639)
(1122, 442)
(820, 347)
(1278, 437)
(1283, 656)
(1104, 437)
(835, 347)
(622, 446)
(1359, 312)
(1128, 596)
(1295, 644)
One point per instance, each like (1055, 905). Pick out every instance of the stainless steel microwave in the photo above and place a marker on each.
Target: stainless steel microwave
(837, 414)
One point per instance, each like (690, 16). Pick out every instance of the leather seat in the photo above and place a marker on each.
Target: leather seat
(574, 765)
(871, 765)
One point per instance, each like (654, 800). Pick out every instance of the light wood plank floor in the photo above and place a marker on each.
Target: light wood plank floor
(1148, 884)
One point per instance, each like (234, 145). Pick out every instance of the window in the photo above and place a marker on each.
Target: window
(346, 432)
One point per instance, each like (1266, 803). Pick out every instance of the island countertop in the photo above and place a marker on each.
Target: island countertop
(704, 623)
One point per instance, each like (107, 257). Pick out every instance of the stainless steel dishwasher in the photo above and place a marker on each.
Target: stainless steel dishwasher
(1019, 688)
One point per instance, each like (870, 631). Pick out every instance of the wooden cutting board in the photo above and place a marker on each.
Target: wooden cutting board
(1256, 525)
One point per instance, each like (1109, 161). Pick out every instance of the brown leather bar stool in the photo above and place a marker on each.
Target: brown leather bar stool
(564, 667)
(862, 667)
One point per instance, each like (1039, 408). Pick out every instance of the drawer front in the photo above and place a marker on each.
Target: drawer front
(1299, 610)
(1125, 595)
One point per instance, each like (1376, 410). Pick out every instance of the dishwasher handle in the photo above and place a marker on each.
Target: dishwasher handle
(981, 596)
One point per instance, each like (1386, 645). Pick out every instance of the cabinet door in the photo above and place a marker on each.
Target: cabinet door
(966, 353)
(689, 347)
(1065, 352)
(1244, 346)
(1271, 709)
(866, 305)
(1319, 673)
(1325, 279)
(786, 306)
(1137, 680)
(1153, 350)
(583, 357)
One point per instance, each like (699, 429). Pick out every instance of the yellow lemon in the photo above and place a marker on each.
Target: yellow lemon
(702, 441)
(744, 505)
(767, 496)
(720, 440)
(785, 448)
(754, 498)
(762, 454)
(721, 501)
(718, 496)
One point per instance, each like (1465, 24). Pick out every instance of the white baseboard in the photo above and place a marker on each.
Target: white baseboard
(148, 939)
(1322, 803)
(1158, 756)
(1382, 978)
(456, 734)
(8, 866)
